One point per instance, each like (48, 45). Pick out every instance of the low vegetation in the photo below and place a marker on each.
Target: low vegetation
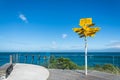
(66, 63)
(62, 63)
(108, 68)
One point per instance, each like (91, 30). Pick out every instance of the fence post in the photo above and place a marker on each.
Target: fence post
(38, 60)
(16, 58)
(32, 59)
(11, 59)
(113, 60)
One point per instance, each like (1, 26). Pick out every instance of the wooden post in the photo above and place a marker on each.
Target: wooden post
(25, 61)
(11, 59)
(32, 59)
(38, 62)
(113, 60)
(16, 58)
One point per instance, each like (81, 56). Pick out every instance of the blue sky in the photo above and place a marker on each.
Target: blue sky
(46, 25)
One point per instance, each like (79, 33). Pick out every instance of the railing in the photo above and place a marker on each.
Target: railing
(31, 59)
(94, 60)
(44, 60)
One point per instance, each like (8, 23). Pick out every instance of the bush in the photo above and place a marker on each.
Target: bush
(109, 67)
(53, 62)
(66, 63)
(62, 63)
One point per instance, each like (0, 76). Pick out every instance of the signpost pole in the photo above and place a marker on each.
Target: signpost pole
(85, 55)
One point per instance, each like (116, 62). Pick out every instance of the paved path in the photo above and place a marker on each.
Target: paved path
(57, 74)
(28, 72)
(34, 72)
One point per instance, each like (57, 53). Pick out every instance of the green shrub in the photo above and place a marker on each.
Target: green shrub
(53, 62)
(63, 63)
(108, 67)
(66, 63)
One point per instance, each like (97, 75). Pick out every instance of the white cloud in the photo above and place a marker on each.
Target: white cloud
(64, 36)
(23, 18)
(114, 44)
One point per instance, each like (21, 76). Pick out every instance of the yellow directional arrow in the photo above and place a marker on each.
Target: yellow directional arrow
(85, 21)
(87, 29)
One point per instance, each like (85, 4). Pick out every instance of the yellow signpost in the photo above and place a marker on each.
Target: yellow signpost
(86, 31)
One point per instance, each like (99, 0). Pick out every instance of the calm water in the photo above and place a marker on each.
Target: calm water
(42, 58)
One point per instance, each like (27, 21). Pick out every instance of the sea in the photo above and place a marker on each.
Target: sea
(43, 58)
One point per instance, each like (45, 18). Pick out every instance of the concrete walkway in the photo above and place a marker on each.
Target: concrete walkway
(103, 75)
(28, 72)
(34, 72)
(58, 74)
